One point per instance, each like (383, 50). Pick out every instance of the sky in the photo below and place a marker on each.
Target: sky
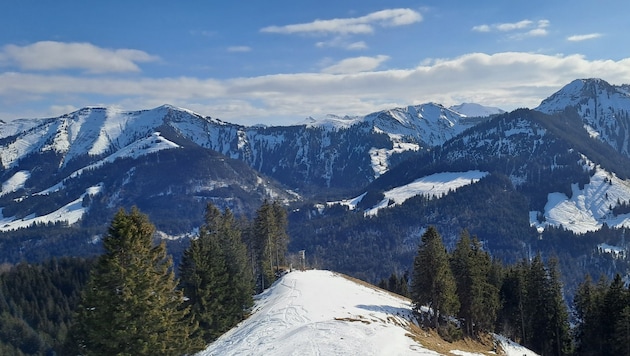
(277, 62)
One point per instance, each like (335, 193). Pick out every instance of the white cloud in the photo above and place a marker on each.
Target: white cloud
(356, 65)
(503, 27)
(579, 38)
(517, 30)
(507, 80)
(354, 25)
(50, 55)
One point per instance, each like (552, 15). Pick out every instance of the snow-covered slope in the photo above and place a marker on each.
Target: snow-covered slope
(604, 108)
(476, 110)
(589, 208)
(323, 313)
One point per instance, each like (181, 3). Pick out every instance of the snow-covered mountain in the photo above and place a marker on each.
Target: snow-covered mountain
(323, 313)
(605, 109)
(476, 110)
(401, 169)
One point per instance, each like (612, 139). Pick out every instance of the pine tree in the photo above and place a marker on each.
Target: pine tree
(131, 305)
(433, 283)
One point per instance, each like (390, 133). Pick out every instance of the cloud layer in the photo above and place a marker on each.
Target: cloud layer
(354, 86)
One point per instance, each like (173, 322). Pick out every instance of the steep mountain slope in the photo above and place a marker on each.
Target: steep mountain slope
(604, 108)
(322, 313)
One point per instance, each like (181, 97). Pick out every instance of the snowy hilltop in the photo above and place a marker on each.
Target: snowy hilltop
(324, 313)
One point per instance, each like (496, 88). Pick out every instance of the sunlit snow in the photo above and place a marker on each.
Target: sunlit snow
(69, 213)
(322, 313)
(432, 186)
(15, 182)
(144, 146)
(589, 208)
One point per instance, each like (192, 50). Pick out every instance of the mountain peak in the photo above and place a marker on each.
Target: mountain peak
(575, 92)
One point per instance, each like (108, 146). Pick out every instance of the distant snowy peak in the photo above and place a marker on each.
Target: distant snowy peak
(430, 124)
(476, 110)
(332, 121)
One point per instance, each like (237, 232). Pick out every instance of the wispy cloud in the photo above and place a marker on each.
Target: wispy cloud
(239, 49)
(352, 25)
(343, 42)
(517, 30)
(51, 55)
(579, 38)
(356, 65)
(507, 80)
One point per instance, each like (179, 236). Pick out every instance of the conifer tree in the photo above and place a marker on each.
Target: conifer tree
(215, 275)
(548, 326)
(478, 297)
(588, 307)
(131, 305)
(433, 283)
(269, 242)
(621, 336)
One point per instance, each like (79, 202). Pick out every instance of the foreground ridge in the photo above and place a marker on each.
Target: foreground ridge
(324, 313)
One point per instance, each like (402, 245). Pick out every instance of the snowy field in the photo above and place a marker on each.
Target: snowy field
(432, 186)
(588, 208)
(322, 313)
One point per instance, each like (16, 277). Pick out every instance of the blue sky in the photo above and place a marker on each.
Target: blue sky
(280, 61)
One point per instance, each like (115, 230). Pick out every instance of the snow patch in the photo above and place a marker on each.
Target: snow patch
(432, 186)
(588, 208)
(16, 182)
(69, 213)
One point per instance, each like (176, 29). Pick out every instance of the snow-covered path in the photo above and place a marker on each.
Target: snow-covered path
(321, 313)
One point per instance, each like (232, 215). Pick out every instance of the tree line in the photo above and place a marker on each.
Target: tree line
(128, 301)
(467, 293)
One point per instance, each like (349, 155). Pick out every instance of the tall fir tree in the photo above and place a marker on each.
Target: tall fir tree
(548, 325)
(215, 275)
(433, 283)
(479, 298)
(588, 303)
(269, 240)
(132, 305)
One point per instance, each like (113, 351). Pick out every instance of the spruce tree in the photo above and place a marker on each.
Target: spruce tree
(478, 297)
(269, 242)
(131, 305)
(433, 283)
(621, 336)
(215, 275)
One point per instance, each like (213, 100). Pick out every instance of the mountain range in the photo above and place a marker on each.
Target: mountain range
(360, 190)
